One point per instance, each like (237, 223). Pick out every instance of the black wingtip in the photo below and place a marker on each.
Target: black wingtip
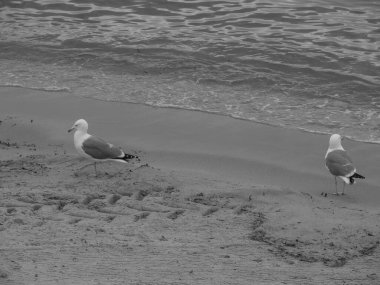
(128, 157)
(355, 175)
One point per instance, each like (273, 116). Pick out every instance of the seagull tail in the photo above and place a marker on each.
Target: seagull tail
(355, 175)
(128, 157)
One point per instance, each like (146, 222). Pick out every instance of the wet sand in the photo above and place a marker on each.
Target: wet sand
(214, 201)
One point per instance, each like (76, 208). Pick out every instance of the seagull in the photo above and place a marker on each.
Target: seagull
(340, 164)
(96, 148)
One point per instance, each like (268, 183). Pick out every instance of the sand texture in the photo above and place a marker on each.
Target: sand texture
(175, 217)
(137, 224)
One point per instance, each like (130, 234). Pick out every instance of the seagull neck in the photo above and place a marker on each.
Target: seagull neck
(332, 148)
(80, 133)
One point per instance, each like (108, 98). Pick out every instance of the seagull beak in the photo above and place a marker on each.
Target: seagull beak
(69, 131)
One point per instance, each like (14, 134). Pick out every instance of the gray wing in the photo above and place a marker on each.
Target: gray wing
(100, 149)
(339, 163)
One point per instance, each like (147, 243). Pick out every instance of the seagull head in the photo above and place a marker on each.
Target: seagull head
(80, 125)
(335, 142)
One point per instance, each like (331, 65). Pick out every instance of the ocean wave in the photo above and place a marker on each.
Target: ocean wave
(286, 63)
(47, 89)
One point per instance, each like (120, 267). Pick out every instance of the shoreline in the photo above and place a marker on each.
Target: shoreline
(239, 150)
(67, 91)
(218, 114)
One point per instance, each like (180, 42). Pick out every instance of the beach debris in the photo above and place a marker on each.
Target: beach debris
(19, 221)
(96, 205)
(335, 262)
(210, 211)
(88, 199)
(74, 221)
(113, 199)
(140, 194)
(11, 210)
(163, 238)
(372, 276)
(36, 207)
(200, 198)
(141, 216)
(3, 274)
(61, 204)
(109, 218)
(174, 215)
(245, 208)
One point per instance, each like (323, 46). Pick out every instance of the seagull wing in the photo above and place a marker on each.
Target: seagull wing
(339, 163)
(100, 149)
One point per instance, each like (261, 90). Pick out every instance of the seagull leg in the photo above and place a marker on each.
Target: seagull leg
(84, 166)
(336, 187)
(344, 186)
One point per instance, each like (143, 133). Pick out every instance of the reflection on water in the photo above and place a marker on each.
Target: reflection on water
(314, 66)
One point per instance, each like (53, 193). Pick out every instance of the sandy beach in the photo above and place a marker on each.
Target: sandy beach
(214, 200)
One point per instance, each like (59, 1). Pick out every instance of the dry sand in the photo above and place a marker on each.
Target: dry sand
(214, 200)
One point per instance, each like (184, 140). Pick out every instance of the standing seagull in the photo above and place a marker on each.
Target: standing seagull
(95, 148)
(339, 163)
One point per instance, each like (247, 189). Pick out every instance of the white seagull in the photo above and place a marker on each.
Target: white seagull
(96, 148)
(339, 163)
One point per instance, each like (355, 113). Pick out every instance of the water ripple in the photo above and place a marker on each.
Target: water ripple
(250, 59)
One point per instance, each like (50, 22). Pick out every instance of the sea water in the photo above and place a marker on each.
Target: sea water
(311, 65)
